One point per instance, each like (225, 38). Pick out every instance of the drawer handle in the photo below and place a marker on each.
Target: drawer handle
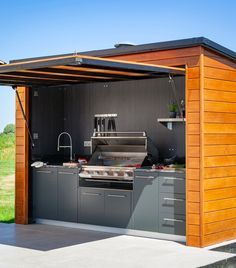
(172, 178)
(116, 195)
(91, 194)
(173, 199)
(173, 220)
(44, 171)
(66, 173)
(98, 180)
(144, 177)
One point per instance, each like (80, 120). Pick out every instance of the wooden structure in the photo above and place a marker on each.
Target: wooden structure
(210, 134)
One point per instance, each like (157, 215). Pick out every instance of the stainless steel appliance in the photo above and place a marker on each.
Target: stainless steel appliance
(114, 158)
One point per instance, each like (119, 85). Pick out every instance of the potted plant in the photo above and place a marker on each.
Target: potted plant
(173, 108)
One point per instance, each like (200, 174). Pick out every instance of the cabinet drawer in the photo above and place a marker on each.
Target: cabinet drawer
(172, 224)
(67, 171)
(172, 203)
(168, 184)
(45, 170)
(146, 174)
(172, 174)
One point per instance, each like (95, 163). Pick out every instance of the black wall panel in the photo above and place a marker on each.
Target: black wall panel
(138, 105)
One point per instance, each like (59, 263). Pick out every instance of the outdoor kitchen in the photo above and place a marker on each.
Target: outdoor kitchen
(110, 154)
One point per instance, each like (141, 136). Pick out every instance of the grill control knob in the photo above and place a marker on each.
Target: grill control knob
(105, 173)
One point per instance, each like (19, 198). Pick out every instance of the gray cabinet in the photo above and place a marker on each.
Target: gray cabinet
(91, 209)
(45, 193)
(118, 208)
(67, 194)
(145, 201)
(172, 203)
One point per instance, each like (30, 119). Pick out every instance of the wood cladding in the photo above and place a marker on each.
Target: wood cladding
(210, 143)
(21, 159)
(219, 152)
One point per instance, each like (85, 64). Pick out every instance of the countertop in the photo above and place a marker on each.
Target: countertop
(142, 169)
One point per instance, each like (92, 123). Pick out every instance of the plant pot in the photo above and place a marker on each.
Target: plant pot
(172, 114)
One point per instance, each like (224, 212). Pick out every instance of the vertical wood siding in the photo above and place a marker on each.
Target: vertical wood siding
(219, 161)
(189, 57)
(21, 164)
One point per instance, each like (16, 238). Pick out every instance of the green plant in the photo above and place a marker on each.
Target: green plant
(172, 107)
(10, 128)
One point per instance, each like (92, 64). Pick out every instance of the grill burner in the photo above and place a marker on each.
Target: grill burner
(114, 158)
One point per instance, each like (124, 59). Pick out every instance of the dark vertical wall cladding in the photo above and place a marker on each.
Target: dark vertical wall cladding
(138, 104)
(46, 119)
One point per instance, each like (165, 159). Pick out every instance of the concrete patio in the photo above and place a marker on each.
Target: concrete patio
(40, 245)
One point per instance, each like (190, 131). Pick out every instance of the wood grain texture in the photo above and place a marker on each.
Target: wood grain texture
(223, 150)
(220, 193)
(220, 172)
(21, 159)
(219, 186)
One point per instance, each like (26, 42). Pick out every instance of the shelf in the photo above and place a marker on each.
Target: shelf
(168, 122)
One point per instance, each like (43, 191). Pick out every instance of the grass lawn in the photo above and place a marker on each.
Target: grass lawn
(7, 196)
(7, 179)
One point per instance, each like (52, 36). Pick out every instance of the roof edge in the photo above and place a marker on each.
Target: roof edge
(166, 45)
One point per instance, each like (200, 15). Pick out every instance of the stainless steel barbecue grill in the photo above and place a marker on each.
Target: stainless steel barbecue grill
(115, 156)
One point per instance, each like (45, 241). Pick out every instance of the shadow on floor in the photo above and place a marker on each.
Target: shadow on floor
(46, 237)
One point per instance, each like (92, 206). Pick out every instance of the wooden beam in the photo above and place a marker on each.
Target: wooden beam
(55, 73)
(95, 70)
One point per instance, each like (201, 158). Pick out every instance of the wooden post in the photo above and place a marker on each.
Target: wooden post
(21, 158)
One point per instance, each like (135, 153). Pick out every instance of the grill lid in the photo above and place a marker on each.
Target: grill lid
(122, 149)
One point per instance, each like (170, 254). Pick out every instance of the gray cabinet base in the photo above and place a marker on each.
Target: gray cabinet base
(120, 231)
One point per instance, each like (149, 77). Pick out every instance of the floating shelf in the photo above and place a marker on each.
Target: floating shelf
(168, 122)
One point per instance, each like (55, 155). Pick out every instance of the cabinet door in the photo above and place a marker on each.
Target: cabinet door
(45, 193)
(118, 208)
(145, 201)
(91, 206)
(67, 195)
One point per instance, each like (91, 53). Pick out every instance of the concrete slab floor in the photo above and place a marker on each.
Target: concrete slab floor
(38, 245)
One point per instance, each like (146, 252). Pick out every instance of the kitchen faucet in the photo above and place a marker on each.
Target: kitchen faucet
(65, 146)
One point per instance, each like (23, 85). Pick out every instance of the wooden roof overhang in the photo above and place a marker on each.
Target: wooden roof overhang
(75, 69)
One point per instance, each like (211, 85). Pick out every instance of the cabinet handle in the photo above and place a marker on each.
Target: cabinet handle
(116, 195)
(44, 171)
(66, 173)
(91, 194)
(114, 181)
(144, 177)
(174, 220)
(173, 178)
(173, 199)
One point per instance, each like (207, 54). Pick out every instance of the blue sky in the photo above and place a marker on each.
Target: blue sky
(45, 27)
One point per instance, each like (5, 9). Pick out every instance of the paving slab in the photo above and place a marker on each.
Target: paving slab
(40, 245)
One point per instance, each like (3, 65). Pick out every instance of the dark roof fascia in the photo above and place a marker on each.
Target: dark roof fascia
(167, 45)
